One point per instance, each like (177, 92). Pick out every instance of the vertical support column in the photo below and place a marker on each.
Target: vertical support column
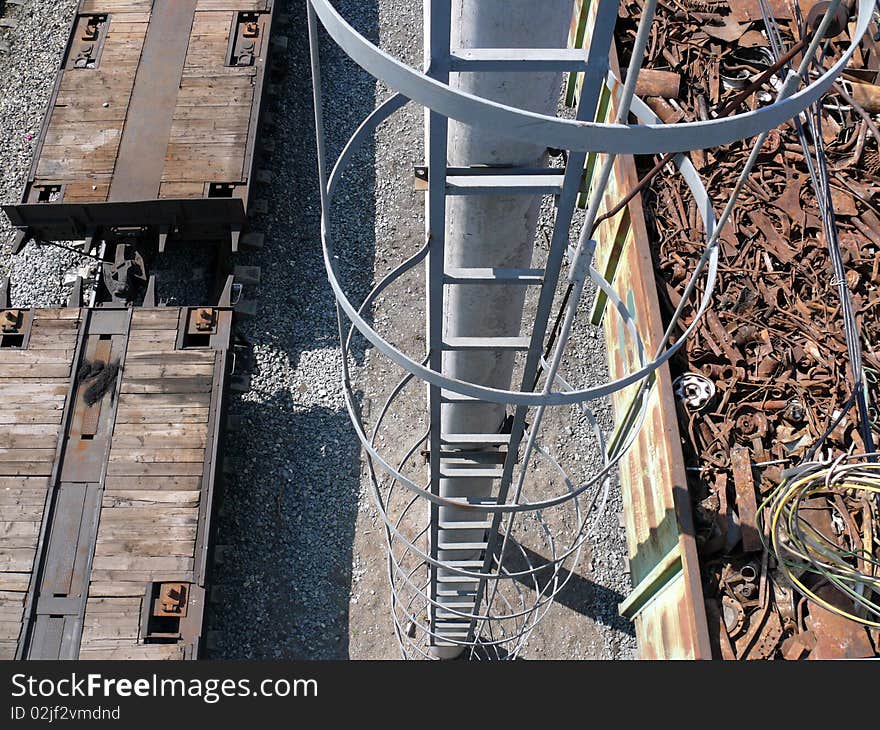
(490, 231)
(495, 230)
(588, 103)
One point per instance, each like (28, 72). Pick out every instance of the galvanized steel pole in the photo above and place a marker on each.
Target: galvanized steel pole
(492, 231)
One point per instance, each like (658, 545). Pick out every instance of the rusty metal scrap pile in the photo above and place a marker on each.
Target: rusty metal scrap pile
(764, 382)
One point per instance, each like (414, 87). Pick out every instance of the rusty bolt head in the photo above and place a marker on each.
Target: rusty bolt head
(11, 320)
(205, 319)
(752, 423)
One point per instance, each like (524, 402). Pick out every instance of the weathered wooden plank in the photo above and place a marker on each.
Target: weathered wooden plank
(208, 5)
(18, 438)
(157, 455)
(23, 513)
(54, 345)
(152, 483)
(27, 455)
(205, 169)
(31, 416)
(160, 438)
(138, 414)
(30, 372)
(151, 652)
(120, 588)
(61, 351)
(128, 468)
(9, 630)
(86, 192)
(16, 560)
(137, 563)
(145, 515)
(55, 324)
(48, 313)
(174, 190)
(171, 358)
(109, 576)
(181, 369)
(144, 547)
(117, 6)
(10, 581)
(153, 332)
(13, 598)
(20, 529)
(37, 484)
(25, 468)
(164, 400)
(197, 96)
(195, 384)
(110, 604)
(54, 390)
(140, 531)
(102, 627)
(21, 497)
(152, 346)
(235, 77)
(165, 318)
(20, 542)
(147, 497)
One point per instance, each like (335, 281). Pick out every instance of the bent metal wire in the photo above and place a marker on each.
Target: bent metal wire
(520, 580)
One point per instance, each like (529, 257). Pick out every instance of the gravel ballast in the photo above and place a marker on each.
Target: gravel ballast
(27, 73)
(304, 574)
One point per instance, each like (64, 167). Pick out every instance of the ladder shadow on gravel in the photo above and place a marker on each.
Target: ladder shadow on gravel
(292, 499)
(580, 594)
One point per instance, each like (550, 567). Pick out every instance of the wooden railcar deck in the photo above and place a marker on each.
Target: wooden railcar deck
(107, 478)
(155, 101)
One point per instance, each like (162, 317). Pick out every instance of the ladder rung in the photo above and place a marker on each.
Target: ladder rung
(493, 276)
(480, 439)
(526, 184)
(488, 472)
(518, 59)
(463, 525)
(487, 343)
(451, 631)
(463, 564)
(466, 458)
(449, 396)
(449, 615)
(462, 545)
(457, 594)
(471, 502)
(457, 579)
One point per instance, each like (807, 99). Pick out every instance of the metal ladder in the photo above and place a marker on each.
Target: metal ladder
(476, 534)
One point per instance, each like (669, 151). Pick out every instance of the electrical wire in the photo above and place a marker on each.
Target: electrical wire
(805, 554)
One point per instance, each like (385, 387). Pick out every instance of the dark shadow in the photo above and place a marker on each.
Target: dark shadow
(288, 516)
(580, 594)
(291, 501)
